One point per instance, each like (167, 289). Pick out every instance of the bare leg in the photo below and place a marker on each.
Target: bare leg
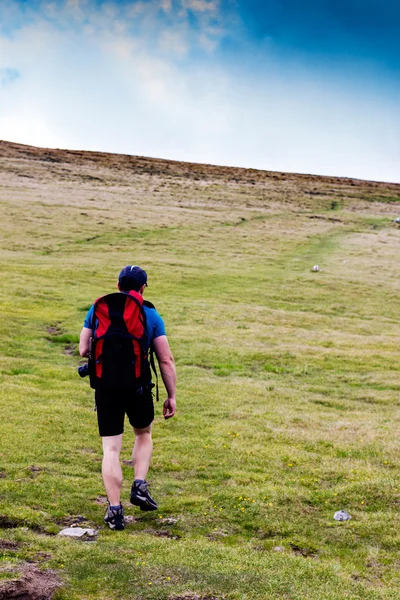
(142, 451)
(111, 468)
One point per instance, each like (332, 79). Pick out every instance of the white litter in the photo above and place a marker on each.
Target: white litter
(315, 268)
(341, 515)
(168, 520)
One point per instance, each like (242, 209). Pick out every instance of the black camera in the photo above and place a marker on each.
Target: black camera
(83, 370)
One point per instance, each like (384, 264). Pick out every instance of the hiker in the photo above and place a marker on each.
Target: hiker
(120, 333)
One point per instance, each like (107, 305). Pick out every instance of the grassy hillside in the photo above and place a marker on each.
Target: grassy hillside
(288, 401)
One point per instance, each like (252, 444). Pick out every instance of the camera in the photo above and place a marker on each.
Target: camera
(83, 370)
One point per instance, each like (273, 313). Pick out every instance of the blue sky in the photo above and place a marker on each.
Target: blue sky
(311, 86)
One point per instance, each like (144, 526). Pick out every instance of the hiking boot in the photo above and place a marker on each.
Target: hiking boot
(114, 518)
(140, 496)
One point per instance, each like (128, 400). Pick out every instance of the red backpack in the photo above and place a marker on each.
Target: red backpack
(118, 356)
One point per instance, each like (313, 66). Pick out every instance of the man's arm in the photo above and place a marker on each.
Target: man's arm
(168, 373)
(86, 334)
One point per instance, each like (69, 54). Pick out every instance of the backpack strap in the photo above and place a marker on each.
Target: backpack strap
(151, 353)
(148, 304)
(153, 366)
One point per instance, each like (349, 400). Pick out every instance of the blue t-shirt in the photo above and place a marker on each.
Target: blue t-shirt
(154, 323)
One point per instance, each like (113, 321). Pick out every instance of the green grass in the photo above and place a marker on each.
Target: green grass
(288, 403)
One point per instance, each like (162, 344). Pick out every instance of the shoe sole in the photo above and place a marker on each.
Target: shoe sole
(143, 504)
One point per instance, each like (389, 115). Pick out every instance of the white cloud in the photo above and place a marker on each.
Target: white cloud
(75, 8)
(27, 127)
(175, 41)
(166, 5)
(201, 5)
(138, 8)
(207, 42)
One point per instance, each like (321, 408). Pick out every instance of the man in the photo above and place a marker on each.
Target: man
(112, 404)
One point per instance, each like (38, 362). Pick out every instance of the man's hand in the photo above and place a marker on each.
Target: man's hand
(169, 408)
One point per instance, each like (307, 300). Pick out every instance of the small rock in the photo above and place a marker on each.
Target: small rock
(315, 268)
(78, 532)
(279, 549)
(341, 515)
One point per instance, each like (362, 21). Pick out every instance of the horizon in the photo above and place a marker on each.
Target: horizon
(188, 162)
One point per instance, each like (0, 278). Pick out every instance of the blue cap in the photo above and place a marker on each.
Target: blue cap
(132, 278)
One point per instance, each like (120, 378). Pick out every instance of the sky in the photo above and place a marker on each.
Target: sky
(283, 85)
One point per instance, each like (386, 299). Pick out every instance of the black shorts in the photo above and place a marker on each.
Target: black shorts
(112, 404)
